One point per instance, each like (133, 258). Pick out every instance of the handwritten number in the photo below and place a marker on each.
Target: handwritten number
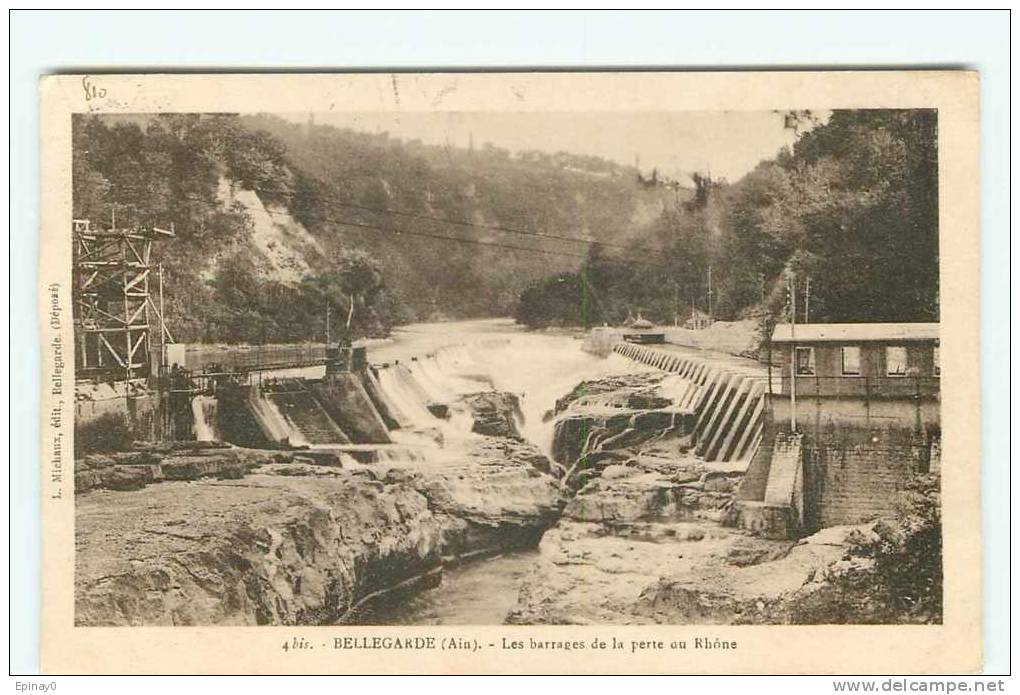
(92, 91)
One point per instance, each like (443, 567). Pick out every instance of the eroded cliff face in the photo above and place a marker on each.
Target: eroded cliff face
(297, 537)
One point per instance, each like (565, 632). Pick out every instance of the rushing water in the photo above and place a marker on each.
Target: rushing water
(203, 410)
(436, 362)
(466, 357)
(482, 592)
(424, 364)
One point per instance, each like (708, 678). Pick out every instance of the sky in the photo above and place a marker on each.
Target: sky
(726, 144)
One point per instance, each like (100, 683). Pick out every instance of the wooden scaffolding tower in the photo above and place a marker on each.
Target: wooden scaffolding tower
(115, 315)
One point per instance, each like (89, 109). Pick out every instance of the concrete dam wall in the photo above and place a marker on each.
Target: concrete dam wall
(800, 482)
(372, 412)
(832, 471)
(334, 410)
(727, 399)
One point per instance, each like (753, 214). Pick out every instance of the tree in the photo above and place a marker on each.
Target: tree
(853, 206)
(352, 278)
(555, 301)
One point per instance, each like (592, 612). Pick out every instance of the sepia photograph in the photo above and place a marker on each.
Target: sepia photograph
(510, 373)
(444, 368)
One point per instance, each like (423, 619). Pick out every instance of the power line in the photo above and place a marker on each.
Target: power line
(465, 223)
(440, 237)
(459, 240)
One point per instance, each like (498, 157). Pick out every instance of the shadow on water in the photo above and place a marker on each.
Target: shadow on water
(481, 592)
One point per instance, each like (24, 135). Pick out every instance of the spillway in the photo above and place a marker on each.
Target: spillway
(419, 394)
(727, 396)
(412, 408)
(205, 426)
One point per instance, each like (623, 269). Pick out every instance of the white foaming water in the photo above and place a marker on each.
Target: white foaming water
(278, 426)
(434, 389)
(399, 454)
(538, 368)
(394, 385)
(203, 411)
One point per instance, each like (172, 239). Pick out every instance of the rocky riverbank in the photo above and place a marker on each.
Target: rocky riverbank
(646, 535)
(630, 525)
(259, 537)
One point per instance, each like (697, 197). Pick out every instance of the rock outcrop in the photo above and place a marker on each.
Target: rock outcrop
(153, 463)
(642, 538)
(678, 573)
(496, 413)
(647, 535)
(298, 542)
(603, 421)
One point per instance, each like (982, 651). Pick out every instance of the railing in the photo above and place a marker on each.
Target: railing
(253, 357)
(866, 387)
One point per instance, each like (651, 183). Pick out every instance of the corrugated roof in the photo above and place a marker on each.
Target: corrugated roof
(854, 332)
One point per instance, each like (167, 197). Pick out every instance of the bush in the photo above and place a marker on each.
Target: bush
(891, 573)
(108, 432)
(908, 554)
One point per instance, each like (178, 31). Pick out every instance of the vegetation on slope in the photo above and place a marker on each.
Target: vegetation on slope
(853, 207)
(379, 209)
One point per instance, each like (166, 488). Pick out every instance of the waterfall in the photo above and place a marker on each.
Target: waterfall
(423, 382)
(540, 369)
(203, 410)
(276, 426)
(398, 455)
(425, 375)
(393, 381)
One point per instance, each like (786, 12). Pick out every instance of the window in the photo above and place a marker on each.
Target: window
(936, 366)
(805, 361)
(851, 360)
(896, 360)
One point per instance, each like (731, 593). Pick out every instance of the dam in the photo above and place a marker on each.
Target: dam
(560, 467)
(407, 400)
(403, 393)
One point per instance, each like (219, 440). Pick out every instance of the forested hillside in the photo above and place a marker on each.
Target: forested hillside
(275, 220)
(853, 207)
(348, 180)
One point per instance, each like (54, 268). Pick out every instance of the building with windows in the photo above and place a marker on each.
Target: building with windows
(857, 372)
(853, 414)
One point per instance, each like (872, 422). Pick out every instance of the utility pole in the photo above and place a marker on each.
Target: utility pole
(765, 332)
(676, 303)
(793, 353)
(710, 294)
(327, 323)
(162, 321)
(807, 300)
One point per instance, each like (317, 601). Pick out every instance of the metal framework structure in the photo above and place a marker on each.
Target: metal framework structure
(114, 312)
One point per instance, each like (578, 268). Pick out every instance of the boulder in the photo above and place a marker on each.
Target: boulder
(439, 410)
(495, 413)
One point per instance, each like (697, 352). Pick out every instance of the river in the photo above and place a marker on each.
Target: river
(539, 367)
(461, 357)
(480, 592)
